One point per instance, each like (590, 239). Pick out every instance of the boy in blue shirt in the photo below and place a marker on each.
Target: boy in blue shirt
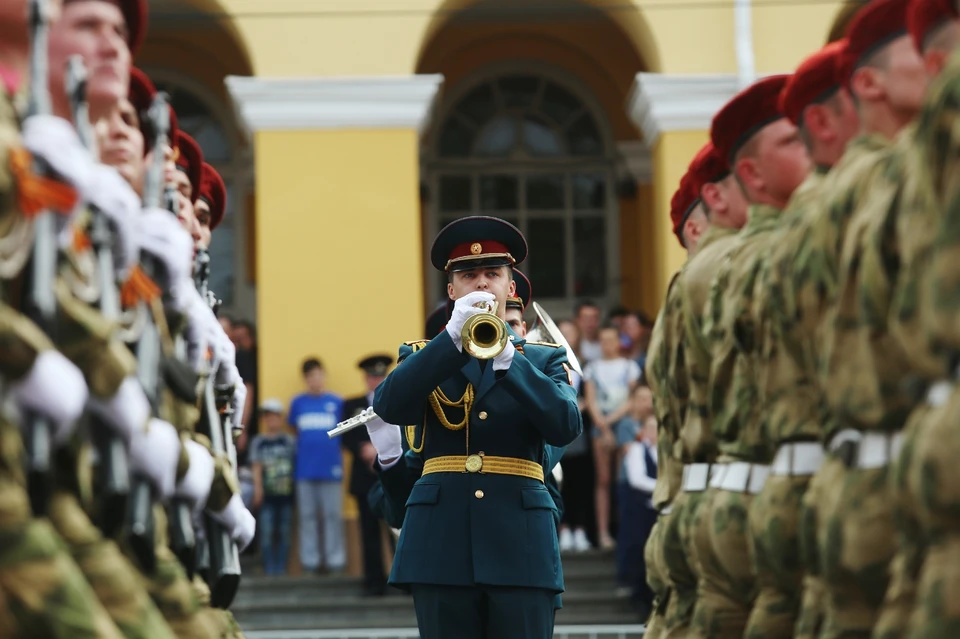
(272, 454)
(319, 471)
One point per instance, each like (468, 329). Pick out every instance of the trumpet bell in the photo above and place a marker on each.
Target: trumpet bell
(484, 335)
(545, 330)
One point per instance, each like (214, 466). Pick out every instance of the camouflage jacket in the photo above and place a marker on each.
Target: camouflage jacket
(937, 274)
(861, 365)
(696, 442)
(789, 389)
(811, 272)
(731, 329)
(661, 357)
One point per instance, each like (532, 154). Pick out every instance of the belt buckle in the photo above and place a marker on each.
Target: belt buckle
(474, 464)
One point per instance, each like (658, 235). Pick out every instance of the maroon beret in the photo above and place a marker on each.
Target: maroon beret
(749, 111)
(682, 204)
(707, 166)
(923, 16)
(214, 192)
(815, 79)
(874, 26)
(190, 161)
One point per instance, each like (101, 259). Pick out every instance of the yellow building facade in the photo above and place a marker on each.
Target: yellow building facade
(350, 131)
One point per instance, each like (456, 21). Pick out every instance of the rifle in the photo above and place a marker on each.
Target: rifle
(149, 354)
(223, 573)
(114, 470)
(40, 302)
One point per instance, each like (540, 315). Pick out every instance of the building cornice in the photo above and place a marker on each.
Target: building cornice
(662, 102)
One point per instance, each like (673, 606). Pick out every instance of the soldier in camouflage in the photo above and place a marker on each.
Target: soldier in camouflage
(814, 100)
(859, 365)
(921, 480)
(770, 161)
(725, 209)
(689, 222)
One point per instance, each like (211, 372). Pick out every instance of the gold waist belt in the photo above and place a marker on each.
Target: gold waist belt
(484, 464)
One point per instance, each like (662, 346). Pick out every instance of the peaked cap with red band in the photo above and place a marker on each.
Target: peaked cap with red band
(524, 291)
(190, 161)
(749, 111)
(682, 204)
(816, 79)
(214, 193)
(923, 16)
(134, 14)
(475, 242)
(873, 27)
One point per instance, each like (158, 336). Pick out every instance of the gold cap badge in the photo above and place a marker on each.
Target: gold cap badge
(475, 248)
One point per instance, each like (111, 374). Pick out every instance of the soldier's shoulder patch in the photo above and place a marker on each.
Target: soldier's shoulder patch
(550, 344)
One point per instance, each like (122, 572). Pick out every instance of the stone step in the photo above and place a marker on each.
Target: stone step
(306, 613)
(577, 577)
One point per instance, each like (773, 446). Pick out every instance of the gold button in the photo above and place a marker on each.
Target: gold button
(483, 414)
(478, 494)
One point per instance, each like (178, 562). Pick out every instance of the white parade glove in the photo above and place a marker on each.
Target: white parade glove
(155, 453)
(195, 485)
(502, 361)
(127, 411)
(386, 439)
(238, 402)
(161, 235)
(201, 331)
(463, 309)
(54, 387)
(238, 521)
(55, 141)
(110, 193)
(226, 356)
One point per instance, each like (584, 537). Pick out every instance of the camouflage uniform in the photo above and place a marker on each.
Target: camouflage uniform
(926, 475)
(696, 446)
(43, 592)
(853, 525)
(657, 377)
(730, 328)
(789, 400)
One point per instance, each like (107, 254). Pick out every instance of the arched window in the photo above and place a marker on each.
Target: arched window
(525, 148)
(206, 120)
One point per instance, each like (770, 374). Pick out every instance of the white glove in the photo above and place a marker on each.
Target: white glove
(195, 485)
(464, 309)
(110, 193)
(238, 521)
(386, 439)
(155, 453)
(503, 361)
(202, 329)
(226, 357)
(238, 402)
(127, 411)
(160, 234)
(54, 388)
(56, 142)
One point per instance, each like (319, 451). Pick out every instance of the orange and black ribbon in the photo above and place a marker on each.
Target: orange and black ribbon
(37, 192)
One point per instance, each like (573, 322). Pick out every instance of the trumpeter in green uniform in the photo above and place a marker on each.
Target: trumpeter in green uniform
(479, 546)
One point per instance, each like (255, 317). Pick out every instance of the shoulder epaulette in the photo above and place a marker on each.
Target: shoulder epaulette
(416, 344)
(544, 344)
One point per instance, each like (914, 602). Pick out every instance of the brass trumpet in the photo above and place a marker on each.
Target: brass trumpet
(484, 335)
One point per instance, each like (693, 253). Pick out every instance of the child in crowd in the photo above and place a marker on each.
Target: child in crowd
(637, 514)
(272, 455)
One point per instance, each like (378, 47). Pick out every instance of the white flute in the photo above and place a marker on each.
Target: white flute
(356, 421)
